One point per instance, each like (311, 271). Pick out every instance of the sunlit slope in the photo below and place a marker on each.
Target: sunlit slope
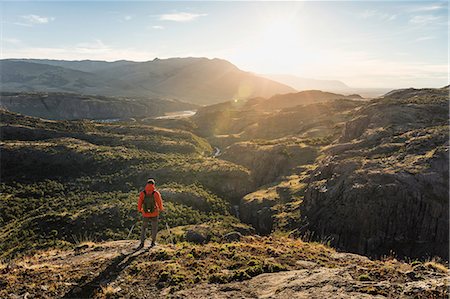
(278, 116)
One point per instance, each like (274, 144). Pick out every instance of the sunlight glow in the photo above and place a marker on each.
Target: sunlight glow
(279, 39)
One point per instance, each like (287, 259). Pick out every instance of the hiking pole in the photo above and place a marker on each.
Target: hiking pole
(170, 233)
(171, 237)
(131, 229)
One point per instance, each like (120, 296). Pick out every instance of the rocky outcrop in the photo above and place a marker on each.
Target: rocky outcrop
(387, 189)
(354, 128)
(318, 282)
(258, 212)
(274, 206)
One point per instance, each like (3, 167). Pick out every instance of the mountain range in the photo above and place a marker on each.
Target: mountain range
(196, 80)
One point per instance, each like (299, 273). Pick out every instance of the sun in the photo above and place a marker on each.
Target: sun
(278, 43)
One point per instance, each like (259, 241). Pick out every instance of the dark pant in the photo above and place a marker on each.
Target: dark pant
(154, 221)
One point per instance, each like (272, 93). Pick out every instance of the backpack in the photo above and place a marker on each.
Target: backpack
(149, 202)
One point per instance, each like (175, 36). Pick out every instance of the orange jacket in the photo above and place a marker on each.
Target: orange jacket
(158, 200)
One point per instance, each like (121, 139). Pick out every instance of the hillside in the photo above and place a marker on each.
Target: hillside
(63, 180)
(66, 106)
(196, 80)
(283, 101)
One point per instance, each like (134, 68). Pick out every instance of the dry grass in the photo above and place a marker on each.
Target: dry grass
(437, 266)
(3, 265)
(108, 292)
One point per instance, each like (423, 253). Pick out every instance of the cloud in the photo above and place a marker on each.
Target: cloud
(424, 38)
(368, 13)
(127, 18)
(96, 46)
(180, 17)
(158, 27)
(424, 19)
(430, 7)
(35, 19)
(371, 13)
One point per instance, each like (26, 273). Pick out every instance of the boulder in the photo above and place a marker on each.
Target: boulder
(196, 237)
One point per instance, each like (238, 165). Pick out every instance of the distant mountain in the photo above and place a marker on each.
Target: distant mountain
(307, 83)
(196, 80)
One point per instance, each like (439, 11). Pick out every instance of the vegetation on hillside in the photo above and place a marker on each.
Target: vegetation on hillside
(65, 181)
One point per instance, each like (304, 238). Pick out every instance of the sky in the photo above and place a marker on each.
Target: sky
(378, 44)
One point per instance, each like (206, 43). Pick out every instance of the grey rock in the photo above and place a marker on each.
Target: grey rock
(232, 236)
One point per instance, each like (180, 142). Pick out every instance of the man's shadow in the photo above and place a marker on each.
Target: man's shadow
(109, 274)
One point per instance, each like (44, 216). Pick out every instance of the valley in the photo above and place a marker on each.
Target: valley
(301, 182)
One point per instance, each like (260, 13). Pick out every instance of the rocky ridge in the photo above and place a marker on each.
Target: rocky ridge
(217, 270)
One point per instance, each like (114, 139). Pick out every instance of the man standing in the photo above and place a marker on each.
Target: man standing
(150, 205)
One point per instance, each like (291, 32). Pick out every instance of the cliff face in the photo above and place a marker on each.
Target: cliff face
(385, 185)
(269, 160)
(256, 209)
(68, 106)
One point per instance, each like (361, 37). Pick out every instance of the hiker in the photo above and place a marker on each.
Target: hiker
(150, 205)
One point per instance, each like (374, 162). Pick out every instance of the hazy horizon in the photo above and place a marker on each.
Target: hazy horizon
(363, 44)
